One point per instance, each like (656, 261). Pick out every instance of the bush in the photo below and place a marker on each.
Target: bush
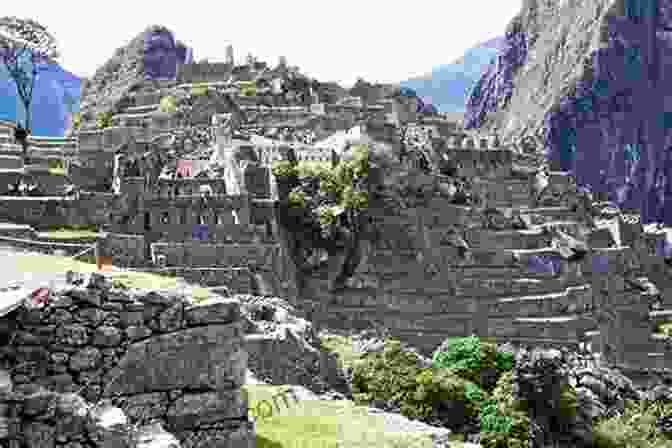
(504, 422)
(76, 120)
(103, 120)
(199, 91)
(636, 428)
(168, 104)
(395, 379)
(386, 375)
(283, 169)
(473, 360)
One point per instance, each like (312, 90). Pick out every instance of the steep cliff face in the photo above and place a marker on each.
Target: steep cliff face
(592, 78)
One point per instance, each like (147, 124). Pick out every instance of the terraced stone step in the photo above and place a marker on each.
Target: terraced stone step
(660, 316)
(513, 290)
(567, 328)
(140, 110)
(573, 299)
(542, 215)
(506, 239)
(206, 255)
(16, 150)
(651, 359)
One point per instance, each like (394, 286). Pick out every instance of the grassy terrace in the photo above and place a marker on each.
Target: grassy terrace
(326, 424)
(42, 265)
(66, 234)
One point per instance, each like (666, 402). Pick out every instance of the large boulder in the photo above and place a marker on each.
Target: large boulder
(589, 80)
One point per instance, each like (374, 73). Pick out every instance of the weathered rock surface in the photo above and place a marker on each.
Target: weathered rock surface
(97, 363)
(152, 55)
(589, 79)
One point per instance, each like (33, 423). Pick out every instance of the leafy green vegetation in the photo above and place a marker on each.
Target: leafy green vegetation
(503, 421)
(168, 104)
(76, 120)
(199, 91)
(324, 206)
(473, 360)
(395, 377)
(636, 428)
(103, 120)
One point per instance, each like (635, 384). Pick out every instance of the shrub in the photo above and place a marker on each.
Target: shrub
(473, 360)
(296, 199)
(283, 169)
(168, 104)
(76, 120)
(393, 377)
(248, 91)
(103, 120)
(386, 375)
(199, 91)
(444, 398)
(636, 428)
(567, 405)
(504, 422)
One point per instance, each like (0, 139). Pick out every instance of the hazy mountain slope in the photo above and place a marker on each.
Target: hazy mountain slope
(449, 85)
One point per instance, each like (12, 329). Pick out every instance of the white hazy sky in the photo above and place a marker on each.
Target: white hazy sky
(337, 40)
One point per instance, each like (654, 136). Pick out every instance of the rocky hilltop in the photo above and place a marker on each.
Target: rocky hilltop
(154, 54)
(588, 79)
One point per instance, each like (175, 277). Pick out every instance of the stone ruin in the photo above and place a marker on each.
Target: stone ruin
(524, 255)
(100, 365)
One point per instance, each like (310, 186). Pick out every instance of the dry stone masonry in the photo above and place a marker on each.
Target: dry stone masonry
(142, 357)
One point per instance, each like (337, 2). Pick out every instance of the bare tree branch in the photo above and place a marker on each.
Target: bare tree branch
(22, 41)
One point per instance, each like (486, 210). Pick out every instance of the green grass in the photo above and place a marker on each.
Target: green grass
(324, 424)
(64, 234)
(57, 171)
(664, 328)
(342, 347)
(59, 264)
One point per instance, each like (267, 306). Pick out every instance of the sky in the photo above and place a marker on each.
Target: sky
(332, 41)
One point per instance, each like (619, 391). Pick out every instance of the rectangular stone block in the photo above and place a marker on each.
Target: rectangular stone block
(193, 410)
(213, 311)
(209, 357)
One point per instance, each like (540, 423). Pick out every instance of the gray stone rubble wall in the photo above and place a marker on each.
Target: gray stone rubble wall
(153, 354)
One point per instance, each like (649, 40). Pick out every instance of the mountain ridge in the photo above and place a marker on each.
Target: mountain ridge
(449, 85)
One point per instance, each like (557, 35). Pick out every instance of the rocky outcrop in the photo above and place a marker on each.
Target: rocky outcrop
(285, 349)
(153, 354)
(153, 55)
(40, 417)
(589, 79)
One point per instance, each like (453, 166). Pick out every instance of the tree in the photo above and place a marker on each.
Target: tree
(26, 47)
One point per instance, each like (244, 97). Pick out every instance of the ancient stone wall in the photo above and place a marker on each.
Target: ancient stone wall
(154, 355)
(126, 250)
(200, 254)
(57, 211)
(204, 72)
